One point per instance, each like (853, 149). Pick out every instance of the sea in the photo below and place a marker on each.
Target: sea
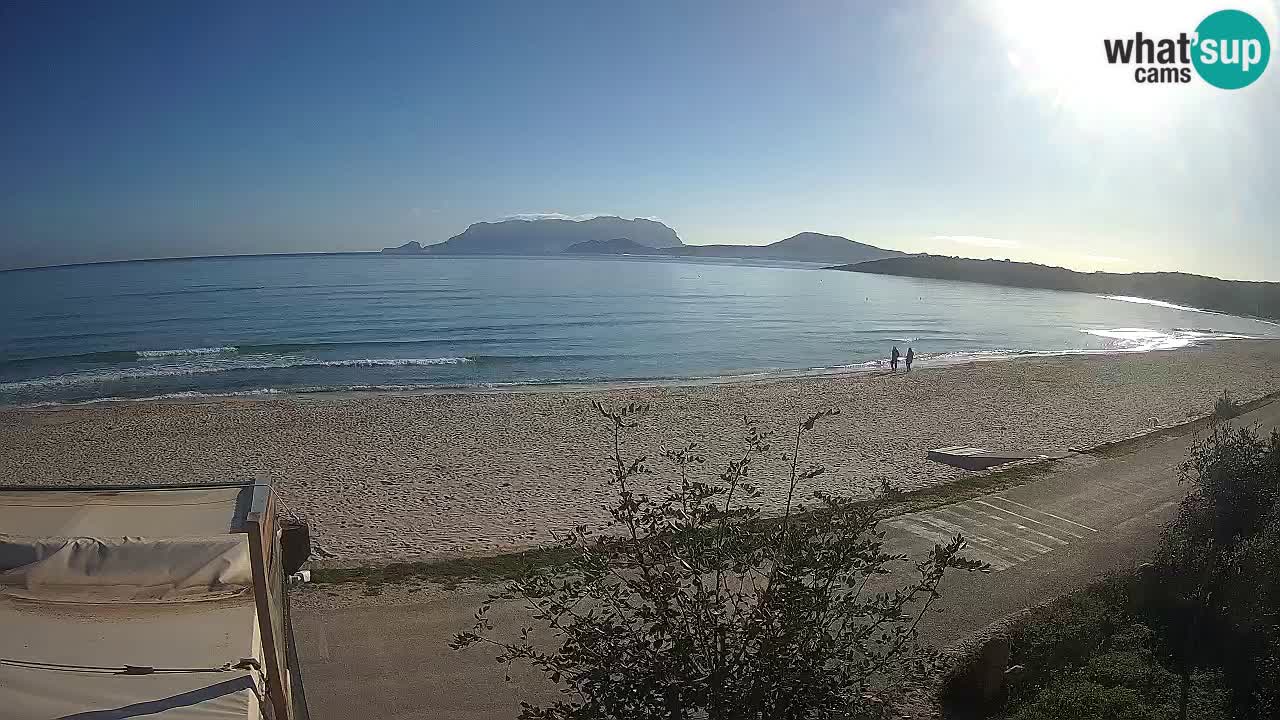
(267, 325)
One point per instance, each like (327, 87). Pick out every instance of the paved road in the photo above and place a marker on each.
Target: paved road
(1042, 539)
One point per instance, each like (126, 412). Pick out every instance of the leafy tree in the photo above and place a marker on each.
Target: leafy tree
(698, 607)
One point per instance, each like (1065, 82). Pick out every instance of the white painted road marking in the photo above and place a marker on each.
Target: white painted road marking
(1042, 512)
(1041, 549)
(1014, 523)
(996, 562)
(994, 545)
(996, 534)
(1029, 519)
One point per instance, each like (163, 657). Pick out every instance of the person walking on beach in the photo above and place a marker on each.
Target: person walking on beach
(911, 355)
(893, 358)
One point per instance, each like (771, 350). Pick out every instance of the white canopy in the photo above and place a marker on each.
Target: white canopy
(127, 604)
(167, 513)
(67, 661)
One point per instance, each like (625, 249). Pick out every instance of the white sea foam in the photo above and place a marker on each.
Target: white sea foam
(391, 362)
(194, 394)
(213, 367)
(1144, 339)
(182, 395)
(1157, 303)
(187, 351)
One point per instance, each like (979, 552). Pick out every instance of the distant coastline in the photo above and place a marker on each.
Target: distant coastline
(1242, 298)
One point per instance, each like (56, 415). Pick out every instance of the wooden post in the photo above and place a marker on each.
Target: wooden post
(265, 558)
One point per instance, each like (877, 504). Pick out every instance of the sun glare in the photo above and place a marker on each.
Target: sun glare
(1056, 52)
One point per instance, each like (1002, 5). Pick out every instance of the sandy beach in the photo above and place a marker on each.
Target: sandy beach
(411, 476)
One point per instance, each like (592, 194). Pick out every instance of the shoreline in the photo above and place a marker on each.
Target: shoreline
(870, 367)
(389, 477)
(509, 564)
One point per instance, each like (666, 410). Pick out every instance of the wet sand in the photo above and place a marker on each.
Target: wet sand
(412, 476)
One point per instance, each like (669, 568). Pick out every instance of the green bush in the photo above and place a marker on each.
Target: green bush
(1225, 408)
(1066, 632)
(1125, 684)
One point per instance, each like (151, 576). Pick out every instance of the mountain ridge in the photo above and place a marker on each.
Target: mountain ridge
(801, 247)
(613, 235)
(543, 236)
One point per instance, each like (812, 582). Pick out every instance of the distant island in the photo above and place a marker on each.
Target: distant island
(618, 236)
(546, 236)
(1236, 297)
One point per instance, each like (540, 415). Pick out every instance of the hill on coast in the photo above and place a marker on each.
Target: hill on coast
(1236, 297)
(804, 247)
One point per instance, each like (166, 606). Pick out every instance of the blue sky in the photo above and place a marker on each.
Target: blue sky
(986, 129)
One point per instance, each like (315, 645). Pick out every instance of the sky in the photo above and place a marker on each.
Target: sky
(982, 129)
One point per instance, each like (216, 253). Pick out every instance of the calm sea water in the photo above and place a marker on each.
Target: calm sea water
(299, 324)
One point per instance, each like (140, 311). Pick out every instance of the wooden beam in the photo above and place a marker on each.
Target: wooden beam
(261, 529)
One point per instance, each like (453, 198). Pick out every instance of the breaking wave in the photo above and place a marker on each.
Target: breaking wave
(390, 362)
(181, 395)
(243, 365)
(186, 351)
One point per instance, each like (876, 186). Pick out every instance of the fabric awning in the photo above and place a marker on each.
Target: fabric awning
(128, 604)
(65, 661)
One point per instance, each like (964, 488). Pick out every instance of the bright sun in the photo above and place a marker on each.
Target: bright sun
(1056, 51)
